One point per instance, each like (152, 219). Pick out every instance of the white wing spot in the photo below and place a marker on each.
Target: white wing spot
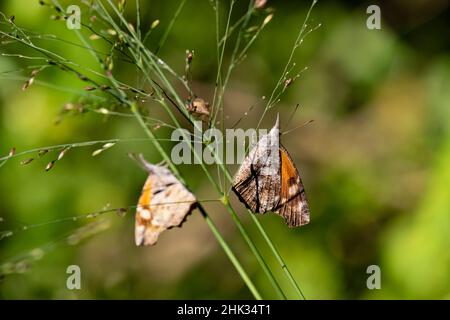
(145, 214)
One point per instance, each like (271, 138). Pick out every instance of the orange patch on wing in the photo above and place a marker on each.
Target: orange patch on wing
(289, 176)
(144, 199)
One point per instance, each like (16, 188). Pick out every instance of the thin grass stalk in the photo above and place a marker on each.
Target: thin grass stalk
(169, 28)
(288, 63)
(272, 247)
(279, 258)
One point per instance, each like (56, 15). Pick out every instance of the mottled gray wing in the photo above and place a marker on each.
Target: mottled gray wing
(257, 182)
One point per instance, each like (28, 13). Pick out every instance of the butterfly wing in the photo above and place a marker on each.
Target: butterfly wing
(164, 203)
(293, 206)
(258, 192)
(269, 181)
(257, 182)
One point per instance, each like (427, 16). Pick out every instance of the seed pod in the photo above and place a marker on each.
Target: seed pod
(50, 165)
(108, 145)
(105, 146)
(252, 29)
(288, 82)
(42, 152)
(259, 4)
(103, 111)
(28, 83)
(5, 234)
(22, 266)
(26, 161)
(121, 212)
(12, 152)
(97, 152)
(121, 5)
(68, 106)
(82, 77)
(154, 24)
(267, 19)
(189, 56)
(62, 153)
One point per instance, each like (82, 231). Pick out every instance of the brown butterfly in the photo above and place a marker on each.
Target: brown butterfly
(269, 181)
(164, 203)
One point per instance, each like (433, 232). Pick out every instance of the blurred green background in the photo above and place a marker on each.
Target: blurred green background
(375, 162)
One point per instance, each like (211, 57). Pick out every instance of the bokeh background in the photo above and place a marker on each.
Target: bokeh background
(375, 161)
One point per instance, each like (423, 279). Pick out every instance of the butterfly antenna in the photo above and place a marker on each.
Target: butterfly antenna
(140, 160)
(298, 127)
(135, 158)
(245, 114)
(163, 163)
(292, 115)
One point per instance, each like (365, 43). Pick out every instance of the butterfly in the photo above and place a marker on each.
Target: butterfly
(268, 180)
(164, 203)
